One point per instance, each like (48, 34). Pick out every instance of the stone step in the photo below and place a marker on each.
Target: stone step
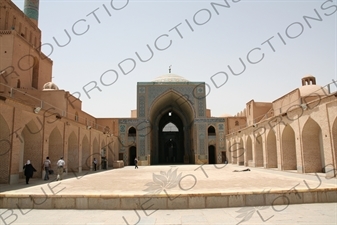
(168, 201)
(171, 187)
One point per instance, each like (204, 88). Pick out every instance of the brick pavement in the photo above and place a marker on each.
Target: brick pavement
(171, 187)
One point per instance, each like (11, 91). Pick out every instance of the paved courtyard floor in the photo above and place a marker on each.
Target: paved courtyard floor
(193, 180)
(176, 179)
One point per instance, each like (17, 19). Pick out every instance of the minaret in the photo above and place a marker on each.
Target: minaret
(31, 10)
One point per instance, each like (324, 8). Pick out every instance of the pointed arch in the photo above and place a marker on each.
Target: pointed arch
(104, 148)
(228, 153)
(104, 153)
(313, 155)
(35, 73)
(31, 147)
(112, 156)
(249, 151)
(211, 131)
(55, 147)
(258, 154)
(170, 127)
(76, 116)
(233, 152)
(334, 140)
(271, 150)
(288, 151)
(241, 153)
(174, 99)
(96, 153)
(5, 150)
(73, 152)
(132, 132)
(85, 153)
(170, 106)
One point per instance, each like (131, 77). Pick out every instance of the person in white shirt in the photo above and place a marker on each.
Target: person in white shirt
(47, 165)
(60, 167)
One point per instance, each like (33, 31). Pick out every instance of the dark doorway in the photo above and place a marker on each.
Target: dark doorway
(171, 139)
(211, 154)
(223, 157)
(132, 155)
(120, 156)
(170, 152)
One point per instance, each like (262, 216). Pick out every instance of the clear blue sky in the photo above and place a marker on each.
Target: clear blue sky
(220, 37)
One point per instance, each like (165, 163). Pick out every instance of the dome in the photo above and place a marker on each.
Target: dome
(309, 87)
(312, 90)
(170, 78)
(226, 115)
(50, 86)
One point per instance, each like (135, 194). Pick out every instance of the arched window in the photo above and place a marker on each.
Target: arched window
(236, 123)
(132, 131)
(76, 116)
(18, 84)
(170, 127)
(35, 75)
(211, 130)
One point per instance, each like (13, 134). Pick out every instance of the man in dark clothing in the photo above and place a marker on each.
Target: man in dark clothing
(136, 163)
(29, 170)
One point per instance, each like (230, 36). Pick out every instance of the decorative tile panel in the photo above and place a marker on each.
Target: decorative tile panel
(142, 146)
(141, 106)
(201, 108)
(201, 136)
(129, 121)
(156, 91)
(122, 128)
(222, 140)
(141, 90)
(209, 120)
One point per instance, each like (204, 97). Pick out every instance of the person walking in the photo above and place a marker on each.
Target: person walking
(60, 167)
(94, 163)
(47, 165)
(29, 170)
(136, 163)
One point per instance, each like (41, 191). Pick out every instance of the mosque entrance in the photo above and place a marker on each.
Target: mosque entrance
(170, 151)
(132, 155)
(171, 139)
(211, 155)
(171, 116)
